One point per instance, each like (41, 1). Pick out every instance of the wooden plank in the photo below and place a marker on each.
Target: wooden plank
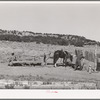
(21, 63)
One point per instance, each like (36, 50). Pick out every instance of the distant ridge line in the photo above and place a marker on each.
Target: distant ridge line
(46, 38)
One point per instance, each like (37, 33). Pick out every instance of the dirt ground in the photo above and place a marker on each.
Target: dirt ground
(49, 72)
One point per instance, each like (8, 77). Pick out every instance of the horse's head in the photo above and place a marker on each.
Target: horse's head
(69, 55)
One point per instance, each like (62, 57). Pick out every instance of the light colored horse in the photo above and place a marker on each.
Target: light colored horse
(46, 57)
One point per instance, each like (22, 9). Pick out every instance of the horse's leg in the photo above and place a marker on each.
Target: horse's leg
(81, 67)
(55, 65)
(55, 60)
(76, 65)
(65, 61)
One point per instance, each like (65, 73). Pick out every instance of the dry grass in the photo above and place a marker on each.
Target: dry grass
(27, 51)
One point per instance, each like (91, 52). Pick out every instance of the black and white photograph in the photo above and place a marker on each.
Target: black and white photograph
(49, 46)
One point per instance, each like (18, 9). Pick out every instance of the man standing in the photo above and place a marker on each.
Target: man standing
(12, 58)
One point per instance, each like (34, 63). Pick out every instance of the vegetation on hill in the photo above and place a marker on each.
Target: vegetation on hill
(46, 38)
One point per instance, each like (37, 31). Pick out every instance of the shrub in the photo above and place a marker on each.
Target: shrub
(26, 87)
(9, 86)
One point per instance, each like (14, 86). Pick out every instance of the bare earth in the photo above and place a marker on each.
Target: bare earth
(41, 73)
(49, 72)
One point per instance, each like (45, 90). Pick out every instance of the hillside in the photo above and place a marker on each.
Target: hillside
(46, 38)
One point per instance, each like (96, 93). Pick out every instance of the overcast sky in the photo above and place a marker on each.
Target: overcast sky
(76, 19)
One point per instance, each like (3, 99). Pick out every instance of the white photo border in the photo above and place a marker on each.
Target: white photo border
(44, 94)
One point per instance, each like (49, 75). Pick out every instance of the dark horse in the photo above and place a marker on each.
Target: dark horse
(62, 54)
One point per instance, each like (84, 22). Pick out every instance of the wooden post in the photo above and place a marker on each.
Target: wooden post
(95, 57)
